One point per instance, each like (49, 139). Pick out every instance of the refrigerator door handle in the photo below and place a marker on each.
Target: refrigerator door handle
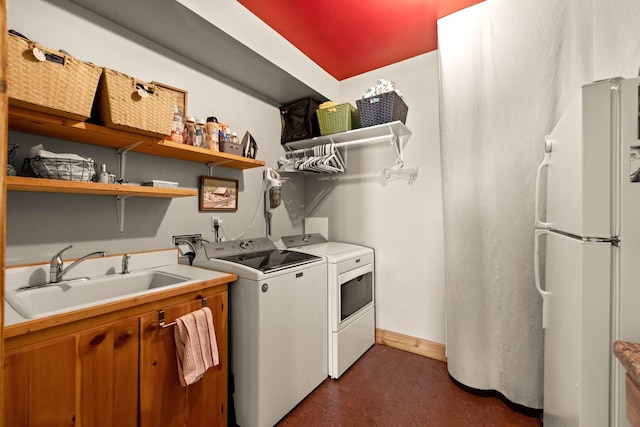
(545, 163)
(536, 272)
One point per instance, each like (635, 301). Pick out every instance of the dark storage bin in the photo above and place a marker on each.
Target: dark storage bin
(299, 120)
(383, 108)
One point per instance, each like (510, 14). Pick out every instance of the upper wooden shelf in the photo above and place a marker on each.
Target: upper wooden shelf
(20, 183)
(37, 123)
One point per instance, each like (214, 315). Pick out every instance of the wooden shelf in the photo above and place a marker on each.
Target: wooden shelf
(37, 123)
(19, 183)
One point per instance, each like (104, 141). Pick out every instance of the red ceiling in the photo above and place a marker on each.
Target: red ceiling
(350, 37)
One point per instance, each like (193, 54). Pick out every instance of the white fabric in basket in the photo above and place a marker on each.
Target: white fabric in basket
(72, 168)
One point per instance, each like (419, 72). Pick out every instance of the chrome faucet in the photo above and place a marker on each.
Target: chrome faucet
(125, 263)
(56, 272)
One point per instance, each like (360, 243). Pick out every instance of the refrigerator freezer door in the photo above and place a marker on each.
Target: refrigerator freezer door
(579, 184)
(577, 342)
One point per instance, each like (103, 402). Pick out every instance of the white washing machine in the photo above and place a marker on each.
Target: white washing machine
(278, 325)
(351, 305)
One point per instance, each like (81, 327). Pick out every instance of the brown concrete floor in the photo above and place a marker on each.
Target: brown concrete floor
(391, 387)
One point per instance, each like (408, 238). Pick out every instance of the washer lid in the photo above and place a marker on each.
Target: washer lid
(270, 261)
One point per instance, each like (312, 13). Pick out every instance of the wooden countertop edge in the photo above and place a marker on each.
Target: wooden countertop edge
(50, 327)
(628, 354)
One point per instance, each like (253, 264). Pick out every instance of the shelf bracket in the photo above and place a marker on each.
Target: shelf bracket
(210, 166)
(122, 160)
(396, 141)
(120, 201)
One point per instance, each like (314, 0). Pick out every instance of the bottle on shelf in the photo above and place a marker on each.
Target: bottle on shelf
(190, 130)
(212, 133)
(201, 133)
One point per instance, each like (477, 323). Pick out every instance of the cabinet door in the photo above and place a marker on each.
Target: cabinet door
(207, 399)
(39, 385)
(16, 389)
(108, 371)
(84, 379)
(125, 373)
(163, 400)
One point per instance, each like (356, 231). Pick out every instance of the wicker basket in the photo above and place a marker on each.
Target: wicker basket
(135, 106)
(59, 84)
(383, 108)
(59, 168)
(338, 118)
(230, 147)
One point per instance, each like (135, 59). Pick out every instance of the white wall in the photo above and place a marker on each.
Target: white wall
(40, 224)
(401, 221)
(616, 40)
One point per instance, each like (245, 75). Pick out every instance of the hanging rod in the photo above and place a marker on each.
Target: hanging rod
(167, 325)
(381, 138)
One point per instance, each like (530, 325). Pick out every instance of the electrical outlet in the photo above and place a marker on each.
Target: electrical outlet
(215, 222)
(191, 238)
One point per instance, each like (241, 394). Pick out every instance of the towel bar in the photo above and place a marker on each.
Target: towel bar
(166, 325)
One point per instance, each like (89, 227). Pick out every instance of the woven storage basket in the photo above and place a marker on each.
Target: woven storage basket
(120, 106)
(230, 148)
(338, 118)
(383, 108)
(60, 85)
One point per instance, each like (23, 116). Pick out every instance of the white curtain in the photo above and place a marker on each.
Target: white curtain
(508, 70)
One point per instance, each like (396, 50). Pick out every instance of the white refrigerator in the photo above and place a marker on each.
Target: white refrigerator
(587, 253)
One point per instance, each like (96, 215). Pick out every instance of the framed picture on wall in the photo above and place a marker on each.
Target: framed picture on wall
(218, 194)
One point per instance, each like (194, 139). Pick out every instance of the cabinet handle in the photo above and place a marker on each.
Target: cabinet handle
(97, 339)
(123, 338)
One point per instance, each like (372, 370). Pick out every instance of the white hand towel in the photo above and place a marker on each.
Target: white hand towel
(196, 346)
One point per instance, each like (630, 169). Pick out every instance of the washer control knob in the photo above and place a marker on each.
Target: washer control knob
(244, 244)
(265, 287)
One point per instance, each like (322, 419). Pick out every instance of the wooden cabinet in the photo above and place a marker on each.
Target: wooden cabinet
(116, 370)
(76, 379)
(633, 401)
(163, 400)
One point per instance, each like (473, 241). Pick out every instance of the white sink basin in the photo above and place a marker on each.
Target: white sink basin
(72, 295)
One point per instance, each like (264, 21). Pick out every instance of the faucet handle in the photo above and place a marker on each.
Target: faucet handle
(57, 258)
(56, 261)
(55, 266)
(125, 263)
